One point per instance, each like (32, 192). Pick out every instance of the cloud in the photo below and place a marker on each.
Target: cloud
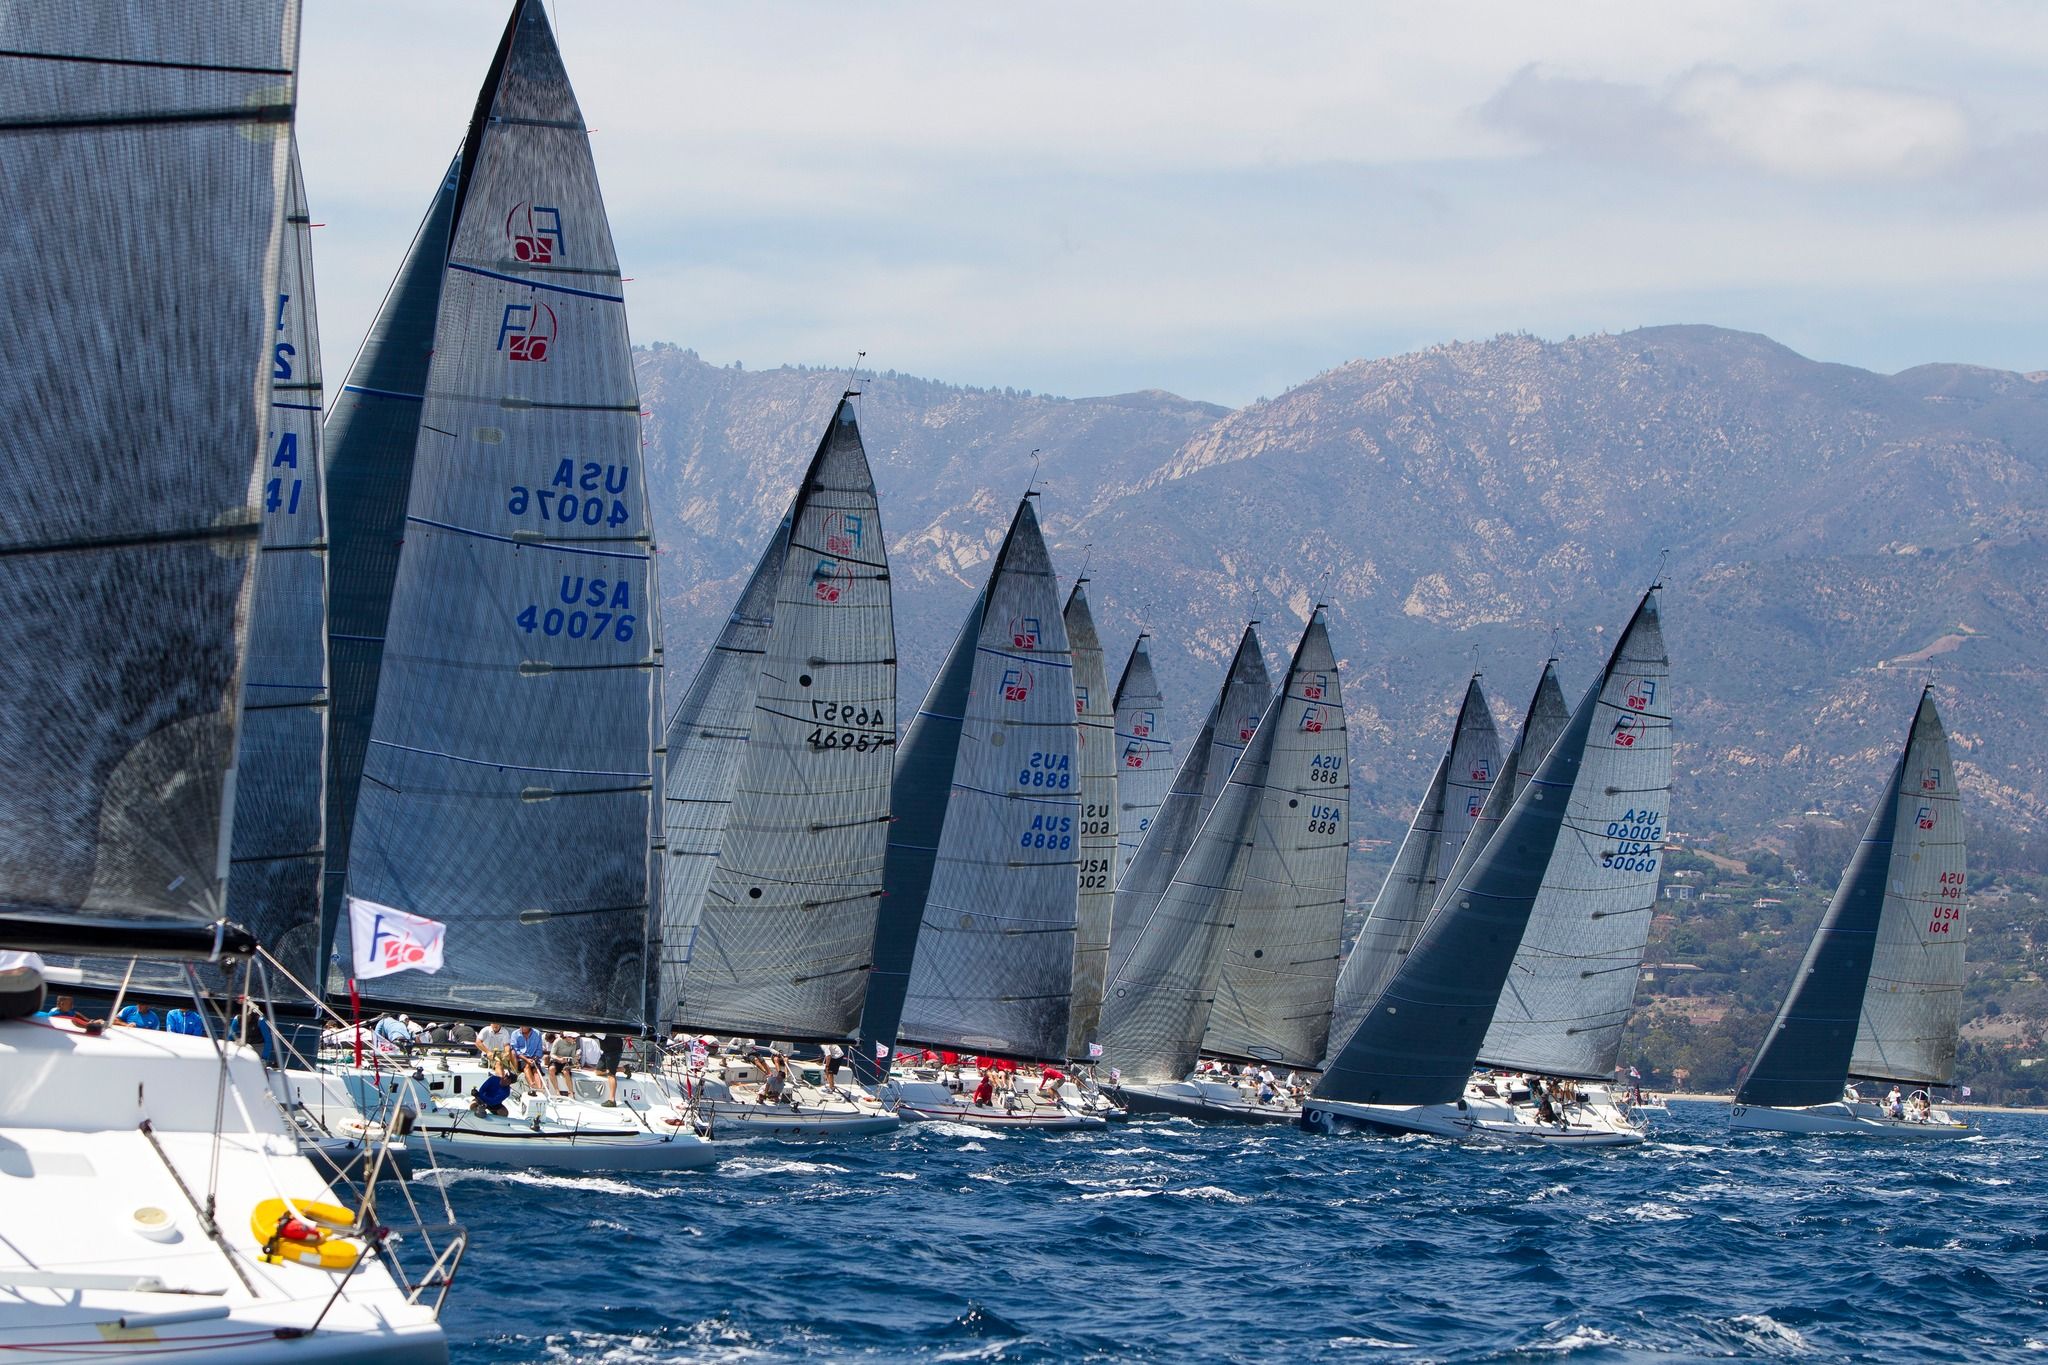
(1797, 126)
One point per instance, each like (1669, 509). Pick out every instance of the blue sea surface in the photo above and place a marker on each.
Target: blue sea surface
(1171, 1241)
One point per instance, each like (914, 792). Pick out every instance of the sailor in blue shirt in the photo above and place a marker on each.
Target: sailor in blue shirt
(529, 1047)
(139, 1016)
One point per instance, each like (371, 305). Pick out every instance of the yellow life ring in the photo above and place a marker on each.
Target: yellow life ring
(322, 1239)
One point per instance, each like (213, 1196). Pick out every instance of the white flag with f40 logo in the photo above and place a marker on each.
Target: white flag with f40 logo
(388, 940)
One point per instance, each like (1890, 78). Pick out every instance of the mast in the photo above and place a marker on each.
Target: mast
(783, 906)
(1281, 957)
(1233, 719)
(274, 875)
(1144, 757)
(369, 438)
(1899, 907)
(1096, 770)
(993, 964)
(1417, 1040)
(135, 401)
(1410, 890)
(507, 786)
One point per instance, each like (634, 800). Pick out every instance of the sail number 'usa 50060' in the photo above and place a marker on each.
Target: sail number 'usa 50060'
(1640, 835)
(593, 609)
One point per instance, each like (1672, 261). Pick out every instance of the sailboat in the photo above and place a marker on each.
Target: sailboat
(1144, 764)
(145, 1176)
(777, 801)
(1095, 765)
(1232, 721)
(974, 951)
(1445, 816)
(1578, 847)
(1239, 959)
(1878, 995)
(506, 787)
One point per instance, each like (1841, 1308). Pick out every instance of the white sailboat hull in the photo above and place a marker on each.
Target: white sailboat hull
(1473, 1120)
(1205, 1100)
(738, 1119)
(1862, 1120)
(562, 1142)
(76, 1171)
(932, 1102)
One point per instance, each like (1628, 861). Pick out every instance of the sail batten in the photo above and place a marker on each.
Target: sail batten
(528, 449)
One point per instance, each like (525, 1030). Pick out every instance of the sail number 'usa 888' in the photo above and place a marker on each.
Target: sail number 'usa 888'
(1641, 836)
(1326, 769)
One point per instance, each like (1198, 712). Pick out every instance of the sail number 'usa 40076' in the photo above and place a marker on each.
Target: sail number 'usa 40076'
(592, 608)
(1641, 833)
(586, 497)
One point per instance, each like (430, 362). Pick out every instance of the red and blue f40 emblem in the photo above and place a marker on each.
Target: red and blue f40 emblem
(527, 331)
(535, 232)
(1641, 693)
(1926, 820)
(1930, 781)
(1024, 632)
(1016, 684)
(1624, 732)
(843, 532)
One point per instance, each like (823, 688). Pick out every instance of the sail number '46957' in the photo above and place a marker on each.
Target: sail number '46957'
(847, 725)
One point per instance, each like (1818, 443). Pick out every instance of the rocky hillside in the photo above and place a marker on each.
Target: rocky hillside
(1834, 538)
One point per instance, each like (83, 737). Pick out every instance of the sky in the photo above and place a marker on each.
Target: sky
(1223, 200)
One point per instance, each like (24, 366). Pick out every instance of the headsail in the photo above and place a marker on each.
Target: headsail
(1573, 981)
(1281, 956)
(280, 789)
(786, 931)
(994, 964)
(368, 442)
(1232, 721)
(507, 786)
(1417, 1041)
(1096, 770)
(1411, 887)
(146, 152)
(1144, 764)
(1899, 904)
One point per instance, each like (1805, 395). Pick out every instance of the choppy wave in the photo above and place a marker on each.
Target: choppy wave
(1177, 1242)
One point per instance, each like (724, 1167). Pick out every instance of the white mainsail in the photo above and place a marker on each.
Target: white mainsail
(1096, 765)
(1144, 756)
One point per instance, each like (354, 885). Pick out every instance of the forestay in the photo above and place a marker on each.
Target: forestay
(274, 880)
(1569, 992)
(371, 433)
(1281, 955)
(1205, 769)
(145, 152)
(507, 787)
(1096, 769)
(1417, 1041)
(1411, 887)
(1899, 879)
(1912, 1004)
(787, 928)
(994, 964)
(1144, 757)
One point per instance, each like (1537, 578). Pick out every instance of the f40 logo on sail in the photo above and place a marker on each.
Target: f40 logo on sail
(1481, 770)
(1314, 686)
(1473, 805)
(527, 331)
(1141, 723)
(830, 580)
(1081, 704)
(1624, 732)
(1134, 756)
(1311, 722)
(1248, 727)
(1640, 694)
(1024, 632)
(843, 531)
(1926, 818)
(1930, 781)
(1016, 684)
(535, 232)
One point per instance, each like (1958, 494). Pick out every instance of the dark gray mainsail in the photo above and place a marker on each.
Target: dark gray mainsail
(1569, 992)
(145, 149)
(280, 788)
(1417, 1040)
(1144, 755)
(994, 966)
(507, 787)
(786, 927)
(1878, 993)
(1162, 997)
(1096, 769)
(1410, 890)
(368, 441)
(1233, 719)
(1287, 913)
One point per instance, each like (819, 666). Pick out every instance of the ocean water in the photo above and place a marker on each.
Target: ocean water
(1164, 1240)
